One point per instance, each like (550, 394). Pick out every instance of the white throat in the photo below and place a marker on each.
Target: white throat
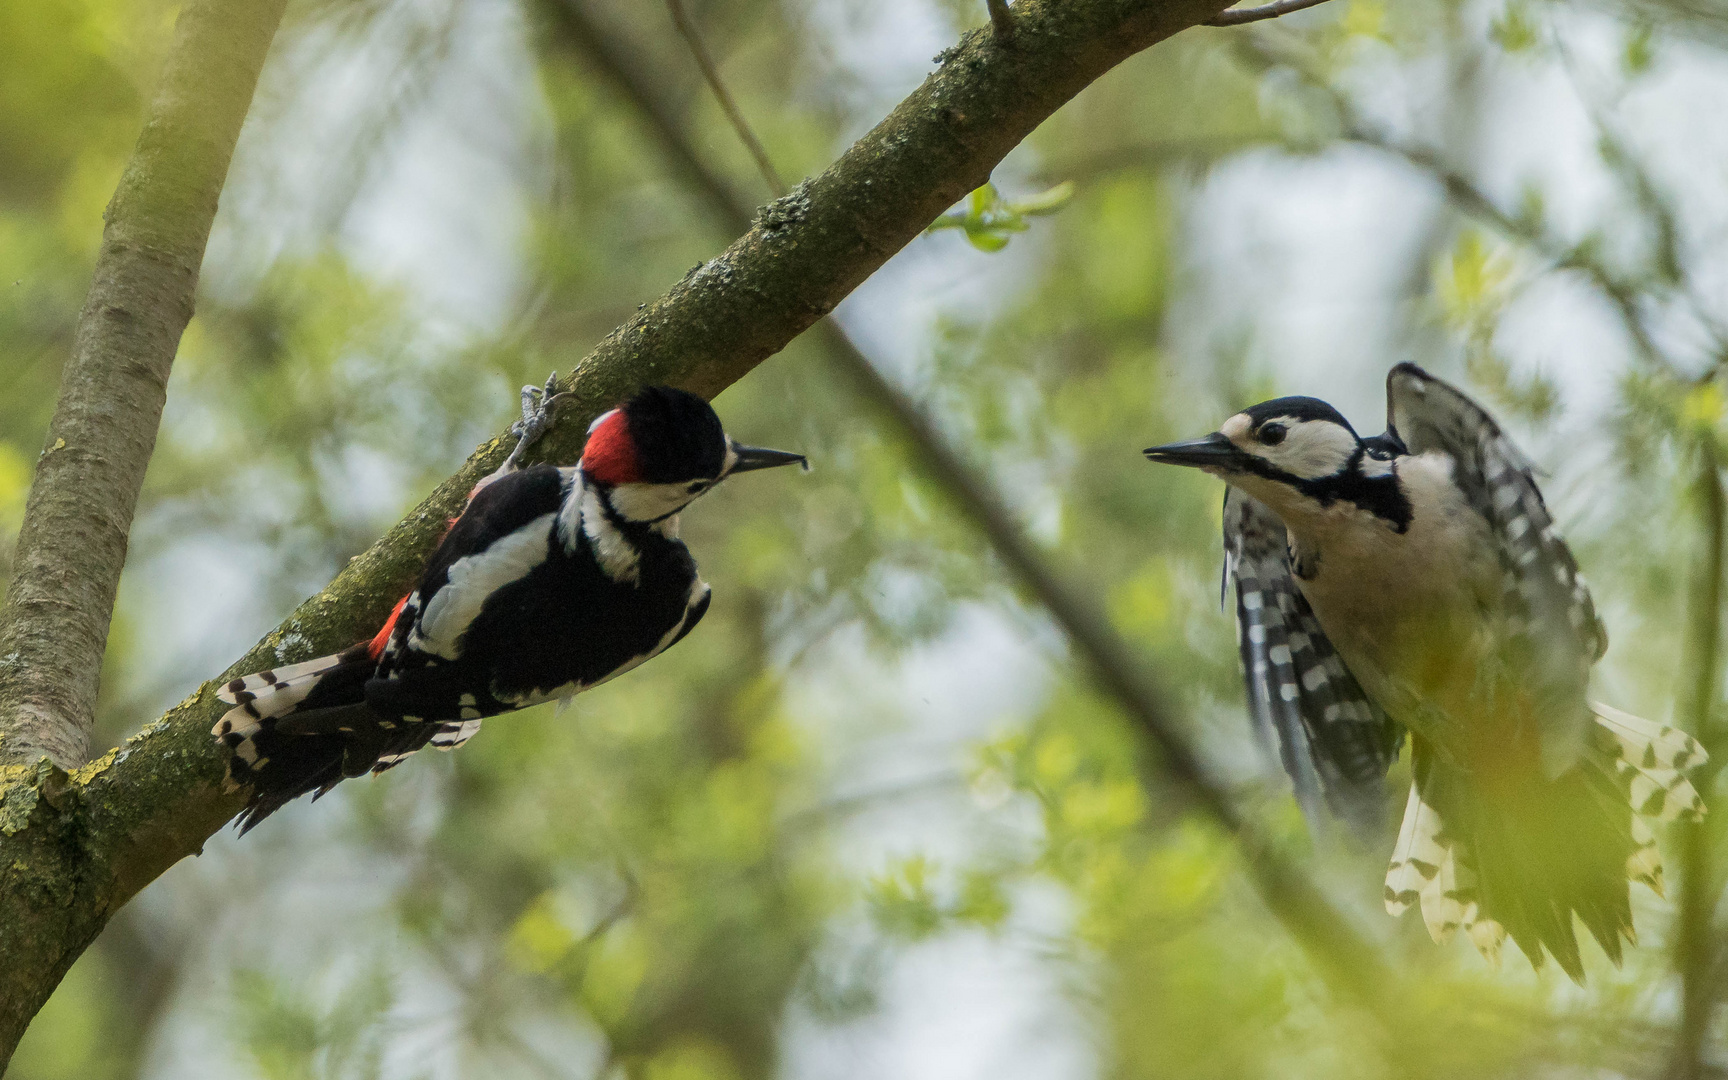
(584, 514)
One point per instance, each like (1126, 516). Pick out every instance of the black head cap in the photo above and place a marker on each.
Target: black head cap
(676, 436)
(1298, 408)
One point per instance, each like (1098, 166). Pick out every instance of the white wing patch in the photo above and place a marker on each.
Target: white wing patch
(473, 579)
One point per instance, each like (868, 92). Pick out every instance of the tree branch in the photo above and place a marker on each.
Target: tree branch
(66, 569)
(74, 848)
(1239, 16)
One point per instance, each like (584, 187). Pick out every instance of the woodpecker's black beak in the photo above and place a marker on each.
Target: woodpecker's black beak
(751, 458)
(1215, 451)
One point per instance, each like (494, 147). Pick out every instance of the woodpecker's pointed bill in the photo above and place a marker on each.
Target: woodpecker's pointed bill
(751, 458)
(1214, 451)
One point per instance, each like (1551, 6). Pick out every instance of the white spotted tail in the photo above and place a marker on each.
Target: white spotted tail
(1436, 870)
(269, 695)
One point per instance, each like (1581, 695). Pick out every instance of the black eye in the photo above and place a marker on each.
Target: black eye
(695, 485)
(1272, 434)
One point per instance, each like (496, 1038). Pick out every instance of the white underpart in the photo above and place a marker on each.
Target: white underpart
(473, 579)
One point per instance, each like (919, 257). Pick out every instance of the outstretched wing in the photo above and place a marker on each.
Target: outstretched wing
(1335, 743)
(1551, 625)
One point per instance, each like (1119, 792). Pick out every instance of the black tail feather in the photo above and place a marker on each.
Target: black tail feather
(305, 728)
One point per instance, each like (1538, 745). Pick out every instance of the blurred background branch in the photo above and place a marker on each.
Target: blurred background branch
(1697, 944)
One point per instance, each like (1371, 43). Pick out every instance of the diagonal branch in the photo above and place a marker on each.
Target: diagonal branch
(66, 570)
(1239, 16)
(74, 848)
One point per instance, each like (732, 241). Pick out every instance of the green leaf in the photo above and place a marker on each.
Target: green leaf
(1639, 50)
(1513, 30)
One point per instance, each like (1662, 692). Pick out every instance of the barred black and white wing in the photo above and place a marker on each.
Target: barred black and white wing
(1551, 625)
(1334, 742)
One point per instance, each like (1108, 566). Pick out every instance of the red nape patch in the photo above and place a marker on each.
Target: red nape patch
(610, 456)
(376, 648)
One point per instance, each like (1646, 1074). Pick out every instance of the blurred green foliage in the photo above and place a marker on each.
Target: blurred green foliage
(873, 754)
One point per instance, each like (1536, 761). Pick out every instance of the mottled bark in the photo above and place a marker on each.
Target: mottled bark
(74, 848)
(54, 625)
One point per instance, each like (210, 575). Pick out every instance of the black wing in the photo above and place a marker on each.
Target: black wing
(1335, 743)
(494, 542)
(1551, 625)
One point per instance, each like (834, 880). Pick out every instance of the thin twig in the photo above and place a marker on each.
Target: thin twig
(1695, 946)
(734, 116)
(1001, 22)
(1239, 16)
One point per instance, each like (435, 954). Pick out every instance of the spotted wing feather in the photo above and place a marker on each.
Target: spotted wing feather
(1551, 625)
(1333, 741)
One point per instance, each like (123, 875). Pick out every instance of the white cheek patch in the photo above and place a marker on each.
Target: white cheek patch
(1312, 450)
(649, 502)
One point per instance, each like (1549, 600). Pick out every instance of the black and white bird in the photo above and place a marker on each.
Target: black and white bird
(552, 581)
(1414, 582)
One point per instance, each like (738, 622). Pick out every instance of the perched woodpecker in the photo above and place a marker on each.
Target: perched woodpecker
(553, 580)
(1414, 582)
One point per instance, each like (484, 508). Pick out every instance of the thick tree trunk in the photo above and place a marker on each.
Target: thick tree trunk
(57, 885)
(73, 849)
(54, 625)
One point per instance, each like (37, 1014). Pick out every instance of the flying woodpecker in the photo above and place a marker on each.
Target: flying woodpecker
(553, 580)
(1414, 582)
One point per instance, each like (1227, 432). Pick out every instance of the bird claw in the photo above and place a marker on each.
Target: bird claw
(539, 409)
